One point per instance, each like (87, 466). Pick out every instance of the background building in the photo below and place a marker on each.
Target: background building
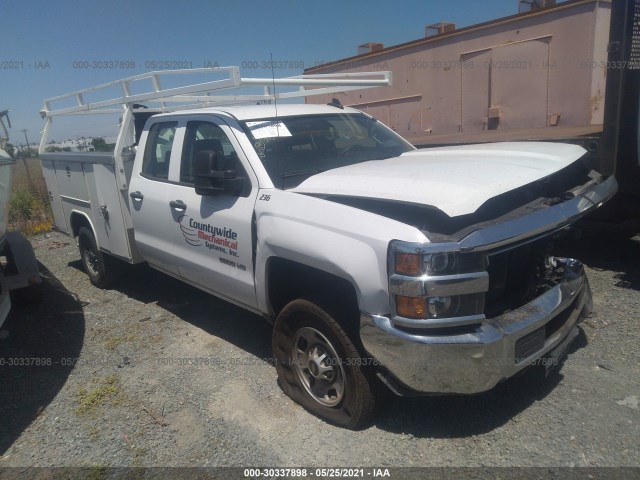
(539, 69)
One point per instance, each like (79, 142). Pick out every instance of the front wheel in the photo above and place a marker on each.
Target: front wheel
(102, 269)
(320, 368)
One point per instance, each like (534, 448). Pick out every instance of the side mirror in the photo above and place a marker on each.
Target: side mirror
(210, 178)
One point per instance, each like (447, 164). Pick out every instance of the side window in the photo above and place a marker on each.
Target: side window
(157, 152)
(201, 136)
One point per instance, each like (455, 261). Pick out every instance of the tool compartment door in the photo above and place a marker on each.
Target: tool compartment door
(49, 173)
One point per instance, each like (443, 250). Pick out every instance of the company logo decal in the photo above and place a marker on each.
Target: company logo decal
(200, 234)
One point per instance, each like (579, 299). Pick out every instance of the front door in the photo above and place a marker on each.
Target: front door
(212, 235)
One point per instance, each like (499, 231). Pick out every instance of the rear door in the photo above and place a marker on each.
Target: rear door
(149, 200)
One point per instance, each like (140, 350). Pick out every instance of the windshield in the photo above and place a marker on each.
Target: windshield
(294, 148)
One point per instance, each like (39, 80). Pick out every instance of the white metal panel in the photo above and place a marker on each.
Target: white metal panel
(106, 212)
(71, 180)
(49, 173)
(345, 241)
(447, 178)
(6, 171)
(73, 189)
(256, 112)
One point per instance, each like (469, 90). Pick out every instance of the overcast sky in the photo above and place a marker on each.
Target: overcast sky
(49, 48)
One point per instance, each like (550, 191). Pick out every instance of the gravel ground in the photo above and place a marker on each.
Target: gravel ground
(119, 393)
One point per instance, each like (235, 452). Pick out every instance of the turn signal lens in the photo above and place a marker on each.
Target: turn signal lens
(411, 307)
(408, 264)
(437, 307)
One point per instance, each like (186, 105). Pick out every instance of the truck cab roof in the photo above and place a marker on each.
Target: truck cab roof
(253, 112)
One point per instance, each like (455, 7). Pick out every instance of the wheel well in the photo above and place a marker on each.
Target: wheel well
(78, 221)
(288, 280)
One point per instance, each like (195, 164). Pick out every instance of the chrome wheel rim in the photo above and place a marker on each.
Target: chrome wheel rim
(91, 261)
(318, 366)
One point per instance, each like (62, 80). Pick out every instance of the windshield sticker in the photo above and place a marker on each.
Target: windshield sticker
(260, 148)
(268, 129)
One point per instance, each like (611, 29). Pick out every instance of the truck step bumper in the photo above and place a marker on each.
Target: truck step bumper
(475, 361)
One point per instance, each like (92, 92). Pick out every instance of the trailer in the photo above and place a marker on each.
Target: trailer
(19, 274)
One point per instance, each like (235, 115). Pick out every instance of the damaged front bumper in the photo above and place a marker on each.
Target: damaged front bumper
(471, 354)
(474, 362)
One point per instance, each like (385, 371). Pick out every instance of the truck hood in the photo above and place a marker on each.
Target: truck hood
(456, 180)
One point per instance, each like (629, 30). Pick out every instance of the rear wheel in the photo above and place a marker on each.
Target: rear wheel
(102, 269)
(320, 368)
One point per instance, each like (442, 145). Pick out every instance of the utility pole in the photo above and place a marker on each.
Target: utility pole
(24, 130)
(24, 160)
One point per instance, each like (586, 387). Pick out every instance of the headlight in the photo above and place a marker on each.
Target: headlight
(418, 264)
(437, 285)
(439, 263)
(442, 306)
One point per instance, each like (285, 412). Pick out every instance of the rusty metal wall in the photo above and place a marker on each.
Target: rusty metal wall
(542, 69)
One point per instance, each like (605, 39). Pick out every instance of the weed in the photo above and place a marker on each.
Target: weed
(23, 205)
(90, 401)
(115, 341)
(94, 433)
(29, 208)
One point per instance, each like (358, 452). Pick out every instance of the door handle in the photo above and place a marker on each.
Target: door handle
(136, 195)
(178, 205)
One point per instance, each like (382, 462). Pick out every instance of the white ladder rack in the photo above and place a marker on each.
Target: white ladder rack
(194, 95)
(199, 95)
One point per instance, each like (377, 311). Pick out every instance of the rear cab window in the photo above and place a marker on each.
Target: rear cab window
(157, 152)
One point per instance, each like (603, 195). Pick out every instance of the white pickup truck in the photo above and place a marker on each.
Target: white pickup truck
(381, 266)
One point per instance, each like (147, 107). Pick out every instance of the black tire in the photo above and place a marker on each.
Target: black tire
(342, 388)
(101, 269)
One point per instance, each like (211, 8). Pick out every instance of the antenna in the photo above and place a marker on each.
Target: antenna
(275, 98)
